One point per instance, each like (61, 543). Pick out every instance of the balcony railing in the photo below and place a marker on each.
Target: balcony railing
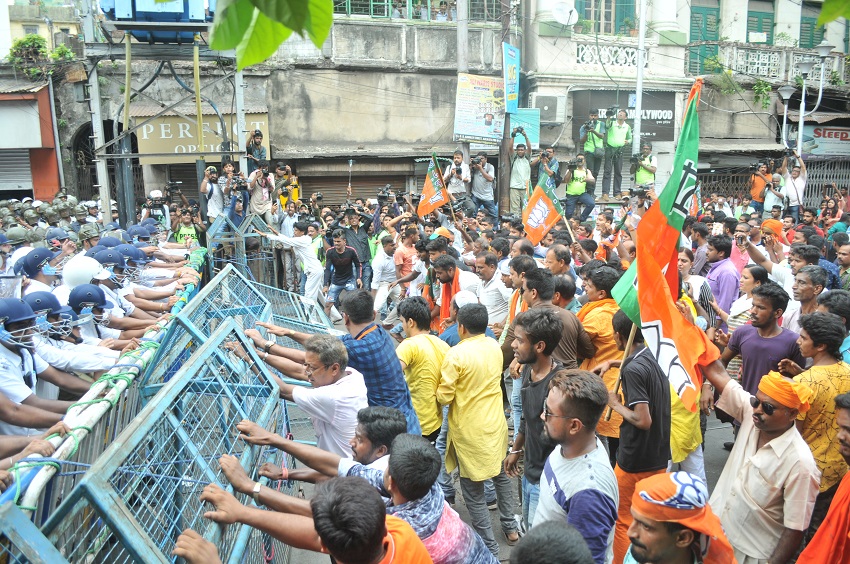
(419, 10)
(765, 62)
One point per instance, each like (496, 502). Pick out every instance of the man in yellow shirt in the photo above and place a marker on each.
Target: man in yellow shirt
(478, 433)
(821, 335)
(421, 355)
(596, 316)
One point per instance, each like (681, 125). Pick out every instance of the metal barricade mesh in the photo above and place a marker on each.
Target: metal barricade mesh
(228, 296)
(145, 488)
(294, 306)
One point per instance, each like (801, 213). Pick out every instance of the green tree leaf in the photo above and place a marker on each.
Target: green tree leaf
(291, 13)
(233, 18)
(261, 40)
(321, 17)
(832, 10)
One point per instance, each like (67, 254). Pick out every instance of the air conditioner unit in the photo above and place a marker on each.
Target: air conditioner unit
(553, 108)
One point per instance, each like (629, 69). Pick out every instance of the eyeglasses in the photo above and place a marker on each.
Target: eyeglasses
(547, 414)
(309, 370)
(768, 408)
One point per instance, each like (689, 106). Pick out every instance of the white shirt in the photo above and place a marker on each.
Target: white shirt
(215, 199)
(795, 189)
(333, 410)
(303, 247)
(458, 185)
(495, 297)
(13, 385)
(413, 289)
(383, 269)
(123, 307)
(36, 286)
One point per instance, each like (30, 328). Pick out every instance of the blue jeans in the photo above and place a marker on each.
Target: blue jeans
(516, 404)
(366, 275)
(795, 213)
(530, 496)
(488, 205)
(444, 479)
(336, 289)
(758, 207)
(585, 199)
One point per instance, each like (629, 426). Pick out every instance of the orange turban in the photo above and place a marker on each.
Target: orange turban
(776, 226)
(795, 395)
(680, 497)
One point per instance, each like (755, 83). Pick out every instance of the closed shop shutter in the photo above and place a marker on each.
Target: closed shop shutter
(186, 174)
(333, 188)
(15, 172)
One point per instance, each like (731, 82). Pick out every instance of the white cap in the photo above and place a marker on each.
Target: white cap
(156, 193)
(37, 203)
(465, 297)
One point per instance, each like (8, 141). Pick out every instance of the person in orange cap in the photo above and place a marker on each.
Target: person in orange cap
(673, 523)
(767, 490)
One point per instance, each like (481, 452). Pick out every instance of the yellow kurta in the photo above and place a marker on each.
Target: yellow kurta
(596, 318)
(469, 385)
(423, 358)
(685, 433)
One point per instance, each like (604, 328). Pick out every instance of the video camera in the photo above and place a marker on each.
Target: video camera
(612, 111)
(640, 191)
(636, 158)
(518, 129)
(240, 183)
(572, 165)
(173, 186)
(755, 166)
(386, 193)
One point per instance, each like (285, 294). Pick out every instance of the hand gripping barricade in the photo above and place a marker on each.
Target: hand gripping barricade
(95, 420)
(131, 502)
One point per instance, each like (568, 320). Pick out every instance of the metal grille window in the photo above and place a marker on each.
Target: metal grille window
(607, 16)
(31, 29)
(427, 10)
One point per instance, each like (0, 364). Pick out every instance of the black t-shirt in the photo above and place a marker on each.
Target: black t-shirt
(338, 269)
(537, 448)
(644, 382)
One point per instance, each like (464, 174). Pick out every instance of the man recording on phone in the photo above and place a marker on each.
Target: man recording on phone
(795, 184)
(457, 175)
(483, 175)
(547, 166)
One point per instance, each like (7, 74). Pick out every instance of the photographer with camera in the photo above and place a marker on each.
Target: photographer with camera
(457, 175)
(217, 189)
(644, 165)
(156, 207)
(774, 194)
(758, 186)
(286, 186)
(592, 134)
(795, 183)
(187, 228)
(483, 175)
(261, 188)
(255, 151)
(618, 135)
(520, 170)
(580, 182)
(548, 167)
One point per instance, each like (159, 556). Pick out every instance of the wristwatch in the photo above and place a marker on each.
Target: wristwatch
(255, 493)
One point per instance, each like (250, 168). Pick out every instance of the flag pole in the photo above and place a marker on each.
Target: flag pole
(569, 229)
(626, 352)
(443, 184)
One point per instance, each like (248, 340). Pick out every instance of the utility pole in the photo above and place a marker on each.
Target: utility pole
(503, 190)
(641, 62)
(463, 52)
(98, 137)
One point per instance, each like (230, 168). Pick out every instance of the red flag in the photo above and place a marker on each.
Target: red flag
(434, 193)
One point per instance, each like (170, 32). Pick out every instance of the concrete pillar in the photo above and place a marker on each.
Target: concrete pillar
(733, 20)
(787, 14)
(665, 23)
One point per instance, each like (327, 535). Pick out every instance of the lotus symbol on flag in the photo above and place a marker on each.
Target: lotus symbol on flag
(538, 215)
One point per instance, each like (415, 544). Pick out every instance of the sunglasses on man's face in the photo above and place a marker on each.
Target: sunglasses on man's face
(768, 408)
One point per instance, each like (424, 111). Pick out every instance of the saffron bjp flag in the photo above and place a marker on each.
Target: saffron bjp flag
(541, 214)
(434, 193)
(648, 291)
